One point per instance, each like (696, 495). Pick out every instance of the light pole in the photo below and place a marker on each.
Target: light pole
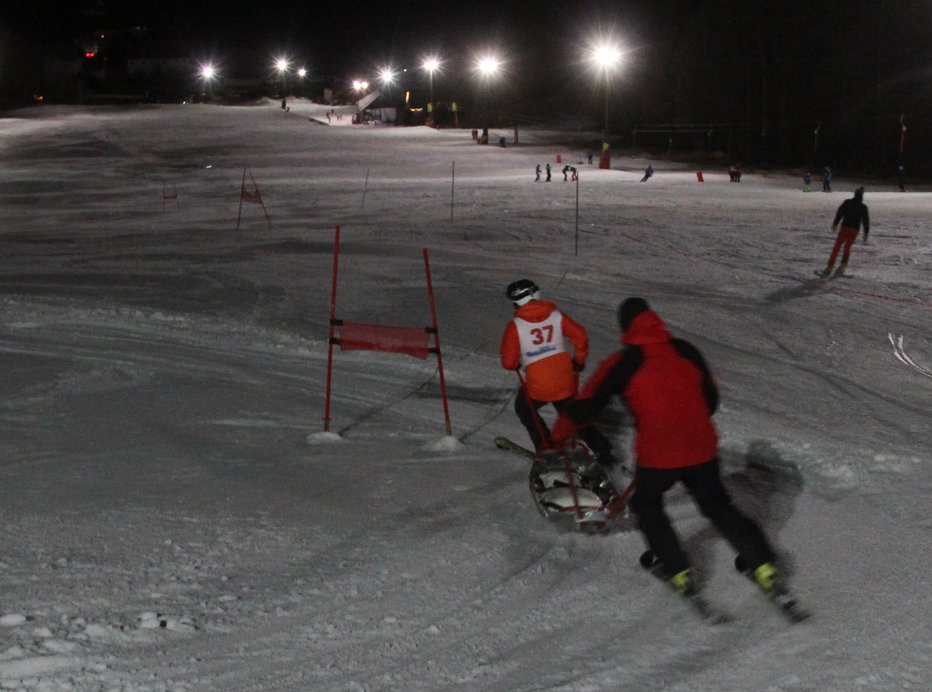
(387, 79)
(208, 72)
(281, 64)
(488, 66)
(431, 65)
(606, 56)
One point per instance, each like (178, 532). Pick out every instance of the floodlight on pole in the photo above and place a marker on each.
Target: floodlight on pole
(605, 57)
(488, 67)
(431, 65)
(281, 64)
(208, 73)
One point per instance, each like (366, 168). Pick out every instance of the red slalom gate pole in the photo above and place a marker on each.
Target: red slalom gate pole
(433, 317)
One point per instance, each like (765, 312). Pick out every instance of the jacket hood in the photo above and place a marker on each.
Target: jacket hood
(646, 328)
(536, 310)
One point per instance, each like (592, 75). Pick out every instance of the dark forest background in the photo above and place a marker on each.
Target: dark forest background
(846, 84)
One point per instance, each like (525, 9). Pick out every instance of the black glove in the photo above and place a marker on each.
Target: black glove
(578, 367)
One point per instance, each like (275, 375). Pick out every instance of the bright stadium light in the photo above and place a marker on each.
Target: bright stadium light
(488, 66)
(387, 76)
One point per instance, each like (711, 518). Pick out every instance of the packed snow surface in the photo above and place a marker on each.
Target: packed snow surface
(174, 515)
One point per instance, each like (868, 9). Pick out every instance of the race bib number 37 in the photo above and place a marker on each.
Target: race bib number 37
(540, 339)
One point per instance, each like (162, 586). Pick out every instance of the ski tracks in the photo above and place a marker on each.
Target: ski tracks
(901, 355)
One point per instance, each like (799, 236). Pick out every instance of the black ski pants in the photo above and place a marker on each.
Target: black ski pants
(704, 484)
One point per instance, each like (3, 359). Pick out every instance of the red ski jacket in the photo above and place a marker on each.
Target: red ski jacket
(553, 377)
(668, 389)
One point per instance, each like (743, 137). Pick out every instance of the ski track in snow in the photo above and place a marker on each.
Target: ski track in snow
(171, 519)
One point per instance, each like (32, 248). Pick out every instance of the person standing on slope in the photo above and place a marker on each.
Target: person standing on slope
(534, 340)
(852, 214)
(671, 395)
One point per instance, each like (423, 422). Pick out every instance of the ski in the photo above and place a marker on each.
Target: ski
(509, 446)
(699, 604)
(832, 276)
(779, 595)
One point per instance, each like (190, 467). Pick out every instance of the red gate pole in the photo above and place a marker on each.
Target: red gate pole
(333, 311)
(433, 317)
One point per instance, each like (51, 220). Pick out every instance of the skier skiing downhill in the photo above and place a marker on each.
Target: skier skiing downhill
(534, 340)
(852, 214)
(672, 396)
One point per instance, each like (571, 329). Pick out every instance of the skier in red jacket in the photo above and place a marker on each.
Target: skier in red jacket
(534, 340)
(671, 395)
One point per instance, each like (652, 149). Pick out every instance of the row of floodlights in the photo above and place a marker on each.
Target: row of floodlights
(603, 56)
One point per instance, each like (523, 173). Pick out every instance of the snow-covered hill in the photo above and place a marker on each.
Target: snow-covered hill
(170, 518)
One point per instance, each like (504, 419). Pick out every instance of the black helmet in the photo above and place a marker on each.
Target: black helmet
(521, 291)
(629, 309)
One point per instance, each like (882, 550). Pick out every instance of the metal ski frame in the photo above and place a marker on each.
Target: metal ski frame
(615, 506)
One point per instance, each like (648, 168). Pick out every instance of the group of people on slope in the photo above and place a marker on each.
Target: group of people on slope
(567, 169)
(671, 394)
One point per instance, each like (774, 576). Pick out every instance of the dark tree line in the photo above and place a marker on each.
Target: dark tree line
(800, 83)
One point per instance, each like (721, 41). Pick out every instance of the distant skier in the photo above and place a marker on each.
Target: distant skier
(537, 174)
(827, 179)
(852, 214)
(671, 394)
(648, 172)
(734, 173)
(574, 174)
(807, 182)
(566, 170)
(548, 173)
(901, 177)
(534, 340)
(589, 155)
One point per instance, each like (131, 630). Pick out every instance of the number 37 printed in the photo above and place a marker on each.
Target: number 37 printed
(542, 335)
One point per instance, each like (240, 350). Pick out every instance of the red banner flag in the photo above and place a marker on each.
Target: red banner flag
(412, 341)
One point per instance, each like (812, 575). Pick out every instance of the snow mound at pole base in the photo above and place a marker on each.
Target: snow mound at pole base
(323, 438)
